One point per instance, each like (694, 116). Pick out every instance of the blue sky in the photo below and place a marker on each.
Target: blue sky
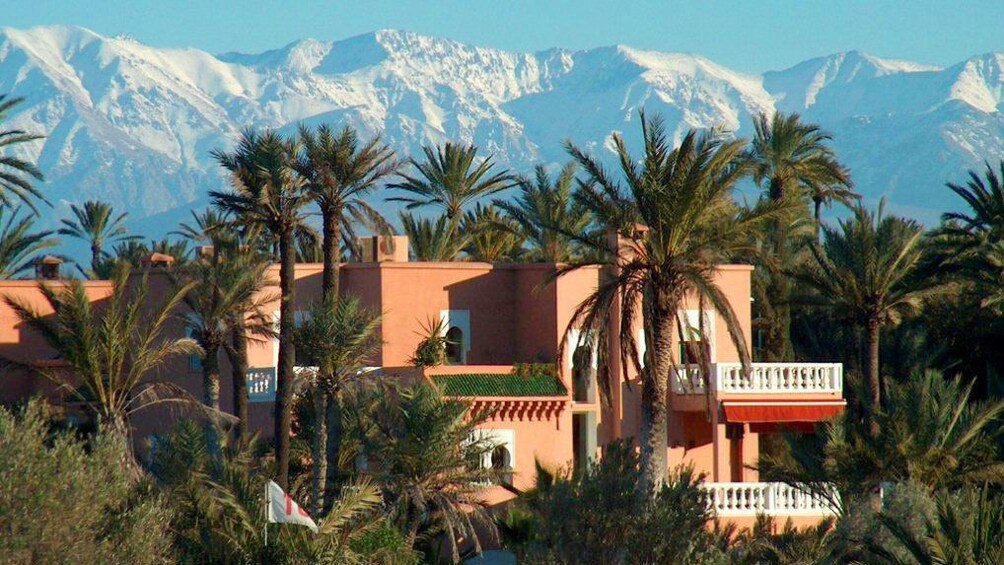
(750, 35)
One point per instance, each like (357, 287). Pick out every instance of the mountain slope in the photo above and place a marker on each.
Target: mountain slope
(134, 124)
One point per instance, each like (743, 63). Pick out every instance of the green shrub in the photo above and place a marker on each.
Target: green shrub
(64, 501)
(598, 516)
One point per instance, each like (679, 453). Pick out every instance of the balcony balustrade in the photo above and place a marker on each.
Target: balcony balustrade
(772, 499)
(762, 378)
(262, 382)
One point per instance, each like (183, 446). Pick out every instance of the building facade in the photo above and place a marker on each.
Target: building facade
(514, 352)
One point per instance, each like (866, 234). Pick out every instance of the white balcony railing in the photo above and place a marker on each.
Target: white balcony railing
(772, 499)
(763, 378)
(262, 382)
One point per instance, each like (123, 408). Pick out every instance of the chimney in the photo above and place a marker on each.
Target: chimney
(156, 261)
(47, 268)
(384, 249)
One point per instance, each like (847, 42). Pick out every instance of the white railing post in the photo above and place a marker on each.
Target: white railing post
(769, 378)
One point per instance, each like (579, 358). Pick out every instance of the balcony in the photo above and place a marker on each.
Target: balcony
(771, 499)
(262, 382)
(763, 379)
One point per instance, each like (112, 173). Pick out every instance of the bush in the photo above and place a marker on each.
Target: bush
(599, 516)
(66, 501)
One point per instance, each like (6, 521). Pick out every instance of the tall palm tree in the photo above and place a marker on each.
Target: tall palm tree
(16, 174)
(791, 160)
(96, 223)
(433, 240)
(545, 211)
(451, 180)
(268, 193)
(971, 244)
(339, 339)
(19, 245)
(791, 157)
(492, 237)
(111, 350)
(866, 271)
(434, 481)
(339, 172)
(678, 221)
(220, 286)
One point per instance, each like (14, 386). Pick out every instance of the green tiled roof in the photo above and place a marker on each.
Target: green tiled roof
(500, 384)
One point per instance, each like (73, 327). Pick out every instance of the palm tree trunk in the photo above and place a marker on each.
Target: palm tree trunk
(872, 331)
(333, 421)
(318, 451)
(287, 356)
(211, 393)
(117, 428)
(331, 250)
(95, 259)
(654, 409)
(238, 355)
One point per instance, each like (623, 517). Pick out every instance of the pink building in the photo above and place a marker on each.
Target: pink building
(516, 355)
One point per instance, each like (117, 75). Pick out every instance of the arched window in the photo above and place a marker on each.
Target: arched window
(501, 460)
(583, 373)
(455, 345)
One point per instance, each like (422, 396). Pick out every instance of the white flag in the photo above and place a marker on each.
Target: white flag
(282, 509)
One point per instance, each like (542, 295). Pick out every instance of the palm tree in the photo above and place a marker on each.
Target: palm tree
(433, 481)
(967, 527)
(109, 351)
(678, 221)
(97, 224)
(790, 157)
(218, 515)
(545, 211)
(339, 172)
(433, 241)
(16, 174)
(339, 339)
(220, 286)
(268, 194)
(971, 244)
(867, 271)
(791, 161)
(933, 434)
(450, 180)
(492, 237)
(19, 245)
(207, 228)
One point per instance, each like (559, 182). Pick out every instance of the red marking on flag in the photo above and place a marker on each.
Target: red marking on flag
(289, 508)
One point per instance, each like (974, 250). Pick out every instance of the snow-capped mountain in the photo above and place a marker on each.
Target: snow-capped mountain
(134, 125)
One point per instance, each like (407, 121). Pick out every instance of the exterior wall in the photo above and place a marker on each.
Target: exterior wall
(20, 346)
(518, 314)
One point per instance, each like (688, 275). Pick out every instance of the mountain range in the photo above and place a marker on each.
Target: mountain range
(134, 125)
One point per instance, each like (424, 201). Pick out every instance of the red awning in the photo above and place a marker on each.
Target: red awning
(777, 412)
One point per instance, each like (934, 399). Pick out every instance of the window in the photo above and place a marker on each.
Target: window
(455, 346)
(693, 341)
(581, 353)
(503, 452)
(457, 324)
(501, 458)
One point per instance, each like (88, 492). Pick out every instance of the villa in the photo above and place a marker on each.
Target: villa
(512, 352)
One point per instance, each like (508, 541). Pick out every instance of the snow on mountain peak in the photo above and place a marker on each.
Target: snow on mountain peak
(134, 124)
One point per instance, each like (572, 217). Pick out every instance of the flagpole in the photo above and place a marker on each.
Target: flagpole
(268, 504)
